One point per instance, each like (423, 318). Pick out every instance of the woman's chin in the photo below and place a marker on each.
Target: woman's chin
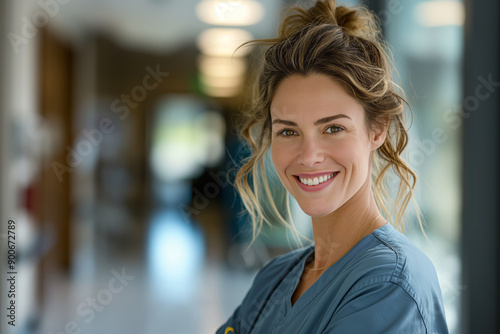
(316, 211)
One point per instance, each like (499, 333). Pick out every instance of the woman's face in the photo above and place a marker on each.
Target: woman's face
(320, 146)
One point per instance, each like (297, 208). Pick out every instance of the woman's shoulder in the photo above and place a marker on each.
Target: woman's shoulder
(390, 259)
(395, 255)
(390, 255)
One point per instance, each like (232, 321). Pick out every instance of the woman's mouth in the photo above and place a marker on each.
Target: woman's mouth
(315, 183)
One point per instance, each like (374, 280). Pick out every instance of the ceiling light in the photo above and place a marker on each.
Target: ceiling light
(440, 13)
(223, 42)
(221, 66)
(224, 82)
(221, 91)
(230, 12)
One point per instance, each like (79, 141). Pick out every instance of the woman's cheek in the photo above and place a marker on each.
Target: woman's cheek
(276, 156)
(280, 155)
(278, 149)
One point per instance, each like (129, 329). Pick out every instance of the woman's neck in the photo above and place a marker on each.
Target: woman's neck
(337, 233)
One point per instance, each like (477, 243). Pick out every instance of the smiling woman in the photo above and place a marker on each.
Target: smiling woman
(327, 108)
(322, 143)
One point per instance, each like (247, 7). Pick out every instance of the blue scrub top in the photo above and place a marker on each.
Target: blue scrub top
(384, 284)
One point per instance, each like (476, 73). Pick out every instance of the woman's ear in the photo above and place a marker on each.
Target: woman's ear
(378, 133)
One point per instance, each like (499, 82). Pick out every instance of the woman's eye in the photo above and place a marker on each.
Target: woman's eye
(334, 129)
(287, 133)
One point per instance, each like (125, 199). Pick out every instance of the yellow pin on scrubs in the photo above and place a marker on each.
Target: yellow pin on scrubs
(229, 330)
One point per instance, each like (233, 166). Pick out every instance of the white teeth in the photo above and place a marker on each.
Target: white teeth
(315, 181)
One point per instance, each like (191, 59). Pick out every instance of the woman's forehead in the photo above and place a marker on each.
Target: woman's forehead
(312, 96)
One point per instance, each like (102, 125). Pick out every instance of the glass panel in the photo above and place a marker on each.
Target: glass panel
(426, 39)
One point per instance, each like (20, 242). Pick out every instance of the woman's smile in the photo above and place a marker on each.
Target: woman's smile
(315, 182)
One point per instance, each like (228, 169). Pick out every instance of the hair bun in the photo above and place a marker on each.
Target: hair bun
(355, 21)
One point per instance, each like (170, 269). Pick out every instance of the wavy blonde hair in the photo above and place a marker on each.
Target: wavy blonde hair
(344, 44)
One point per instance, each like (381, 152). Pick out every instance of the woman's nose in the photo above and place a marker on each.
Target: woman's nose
(310, 153)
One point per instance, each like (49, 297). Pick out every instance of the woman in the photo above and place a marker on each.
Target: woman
(327, 109)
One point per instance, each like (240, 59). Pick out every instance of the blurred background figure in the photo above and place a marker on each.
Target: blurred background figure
(118, 147)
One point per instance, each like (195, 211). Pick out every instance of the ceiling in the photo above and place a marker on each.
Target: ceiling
(148, 25)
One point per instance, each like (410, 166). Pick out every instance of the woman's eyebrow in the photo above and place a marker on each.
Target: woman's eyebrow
(318, 122)
(282, 121)
(330, 118)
